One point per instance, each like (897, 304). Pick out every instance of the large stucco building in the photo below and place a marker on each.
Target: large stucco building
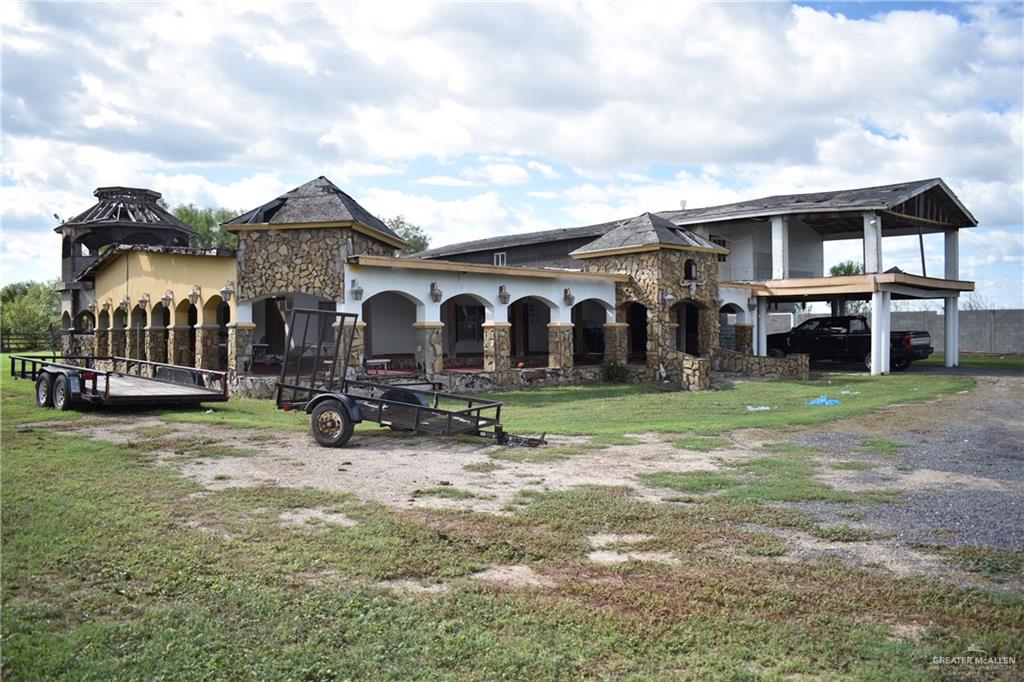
(670, 296)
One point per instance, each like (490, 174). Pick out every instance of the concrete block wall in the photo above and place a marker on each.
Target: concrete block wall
(981, 331)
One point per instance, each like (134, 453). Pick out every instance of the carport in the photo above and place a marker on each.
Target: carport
(881, 289)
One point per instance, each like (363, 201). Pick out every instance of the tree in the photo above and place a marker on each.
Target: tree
(31, 308)
(849, 267)
(975, 301)
(206, 222)
(414, 234)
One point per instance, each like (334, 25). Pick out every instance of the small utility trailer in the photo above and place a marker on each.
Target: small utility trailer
(64, 382)
(314, 378)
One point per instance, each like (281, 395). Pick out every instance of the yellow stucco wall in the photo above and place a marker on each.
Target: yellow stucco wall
(137, 273)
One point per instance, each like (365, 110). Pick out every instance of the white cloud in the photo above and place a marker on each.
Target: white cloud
(544, 169)
(502, 174)
(444, 181)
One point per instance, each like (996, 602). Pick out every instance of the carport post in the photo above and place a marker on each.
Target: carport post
(762, 326)
(951, 315)
(886, 332)
(877, 332)
(872, 243)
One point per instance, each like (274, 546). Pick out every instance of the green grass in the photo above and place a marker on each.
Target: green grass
(995, 564)
(701, 443)
(1013, 362)
(852, 465)
(883, 446)
(786, 476)
(446, 492)
(114, 569)
(838, 533)
(638, 408)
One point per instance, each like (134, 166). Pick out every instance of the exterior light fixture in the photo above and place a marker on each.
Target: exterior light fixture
(108, 304)
(226, 291)
(503, 294)
(568, 297)
(91, 307)
(125, 303)
(435, 293)
(194, 295)
(356, 290)
(144, 300)
(167, 299)
(668, 298)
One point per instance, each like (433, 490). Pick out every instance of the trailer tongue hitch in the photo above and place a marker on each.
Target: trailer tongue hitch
(522, 441)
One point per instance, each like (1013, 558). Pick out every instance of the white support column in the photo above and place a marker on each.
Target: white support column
(872, 242)
(952, 255)
(780, 247)
(877, 331)
(886, 333)
(761, 327)
(951, 316)
(243, 312)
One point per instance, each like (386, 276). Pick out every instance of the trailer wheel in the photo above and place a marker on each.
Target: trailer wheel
(330, 424)
(61, 393)
(867, 361)
(44, 390)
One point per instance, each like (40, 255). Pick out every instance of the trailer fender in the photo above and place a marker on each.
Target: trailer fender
(355, 413)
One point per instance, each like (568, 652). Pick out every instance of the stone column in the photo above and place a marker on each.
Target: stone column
(66, 342)
(560, 345)
(357, 352)
(207, 354)
(429, 351)
(744, 337)
(497, 346)
(616, 342)
(178, 351)
(240, 347)
(101, 342)
(117, 341)
(156, 344)
(133, 342)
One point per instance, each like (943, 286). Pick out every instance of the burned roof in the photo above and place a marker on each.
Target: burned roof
(507, 241)
(647, 230)
(317, 201)
(882, 197)
(126, 207)
(120, 249)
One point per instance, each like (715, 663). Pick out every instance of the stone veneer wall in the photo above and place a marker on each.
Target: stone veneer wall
(560, 346)
(796, 366)
(653, 273)
(310, 260)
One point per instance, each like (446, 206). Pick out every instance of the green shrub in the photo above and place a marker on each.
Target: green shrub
(614, 373)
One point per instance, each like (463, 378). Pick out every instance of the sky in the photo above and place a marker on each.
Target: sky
(475, 120)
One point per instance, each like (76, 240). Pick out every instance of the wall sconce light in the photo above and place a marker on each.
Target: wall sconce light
(91, 307)
(194, 295)
(435, 293)
(108, 304)
(668, 298)
(125, 303)
(751, 301)
(568, 297)
(503, 294)
(144, 300)
(356, 290)
(167, 299)
(226, 291)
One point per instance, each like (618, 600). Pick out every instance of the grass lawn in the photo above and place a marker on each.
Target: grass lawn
(113, 568)
(1009, 361)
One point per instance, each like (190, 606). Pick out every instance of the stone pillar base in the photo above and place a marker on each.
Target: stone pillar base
(616, 342)
(134, 342)
(117, 342)
(240, 347)
(744, 337)
(560, 345)
(156, 344)
(179, 351)
(497, 346)
(429, 351)
(101, 343)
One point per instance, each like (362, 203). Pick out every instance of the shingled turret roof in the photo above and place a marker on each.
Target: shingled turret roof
(646, 230)
(126, 207)
(317, 201)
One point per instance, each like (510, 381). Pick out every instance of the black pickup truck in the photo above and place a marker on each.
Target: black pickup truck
(848, 339)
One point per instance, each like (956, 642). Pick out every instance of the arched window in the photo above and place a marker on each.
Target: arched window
(690, 269)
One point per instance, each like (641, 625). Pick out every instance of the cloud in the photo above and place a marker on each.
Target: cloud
(544, 169)
(502, 174)
(444, 181)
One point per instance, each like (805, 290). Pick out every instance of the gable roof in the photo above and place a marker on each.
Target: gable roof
(646, 231)
(882, 197)
(317, 201)
(507, 241)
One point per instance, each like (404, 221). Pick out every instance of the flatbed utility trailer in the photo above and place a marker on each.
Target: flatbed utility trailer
(66, 381)
(315, 378)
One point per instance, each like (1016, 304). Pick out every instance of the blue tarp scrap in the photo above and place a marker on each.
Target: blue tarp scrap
(824, 400)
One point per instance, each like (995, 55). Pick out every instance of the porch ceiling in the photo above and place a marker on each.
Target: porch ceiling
(900, 284)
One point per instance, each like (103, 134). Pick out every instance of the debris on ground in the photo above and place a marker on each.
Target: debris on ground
(824, 400)
(758, 408)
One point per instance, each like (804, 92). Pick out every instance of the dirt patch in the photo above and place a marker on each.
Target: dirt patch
(611, 539)
(608, 556)
(406, 586)
(917, 479)
(518, 576)
(312, 517)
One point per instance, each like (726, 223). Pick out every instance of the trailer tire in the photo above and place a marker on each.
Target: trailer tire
(61, 393)
(330, 424)
(44, 390)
